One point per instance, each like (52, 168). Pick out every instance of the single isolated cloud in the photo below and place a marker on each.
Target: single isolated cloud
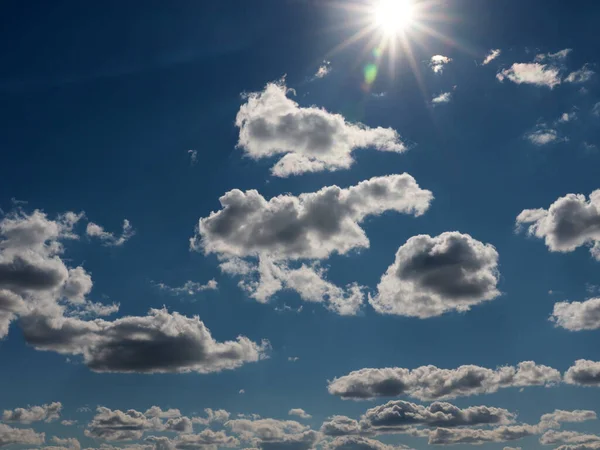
(577, 316)
(307, 139)
(570, 222)
(438, 62)
(531, 73)
(442, 98)
(110, 239)
(493, 54)
(434, 275)
(544, 135)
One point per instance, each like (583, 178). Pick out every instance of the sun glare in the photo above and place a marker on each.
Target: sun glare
(393, 16)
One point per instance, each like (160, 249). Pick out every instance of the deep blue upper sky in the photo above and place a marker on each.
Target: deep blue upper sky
(100, 103)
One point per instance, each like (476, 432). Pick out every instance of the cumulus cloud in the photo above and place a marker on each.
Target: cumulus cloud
(205, 440)
(19, 436)
(438, 62)
(433, 275)
(156, 411)
(272, 434)
(119, 425)
(571, 221)
(46, 413)
(160, 342)
(584, 373)
(312, 225)
(342, 426)
(360, 443)
(476, 436)
(189, 287)
(442, 98)
(64, 444)
(212, 416)
(110, 239)
(299, 412)
(577, 316)
(493, 54)
(308, 139)
(432, 383)
(531, 73)
(554, 419)
(398, 414)
(553, 437)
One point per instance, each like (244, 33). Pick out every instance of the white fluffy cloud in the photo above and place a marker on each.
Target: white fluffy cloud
(438, 62)
(299, 412)
(584, 373)
(212, 416)
(110, 239)
(308, 139)
(571, 221)
(554, 419)
(432, 383)
(119, 425)
(310, 226)
(553, 437)
(46, 413)
(577, 316)
(434, 275)
(272, 434)
(544, 135)
(360, 443)
(531, 73)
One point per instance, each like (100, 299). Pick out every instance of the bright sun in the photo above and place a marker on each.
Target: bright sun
(393, 16)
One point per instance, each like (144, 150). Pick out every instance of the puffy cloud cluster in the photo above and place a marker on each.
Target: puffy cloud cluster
(160, 342)
(433, 383)
(258, 239)
(308, 139)
(110, 239)
(433, 275)
(531, 73)
(571, 221)
(63, 444)
(272, 434)
(119, 425)
(212, 416)
(584, 373)
(46, 413)
(577, 316)
(360, 443)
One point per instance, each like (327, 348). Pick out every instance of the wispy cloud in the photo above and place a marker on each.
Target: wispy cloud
(442, 98)
(493, 54)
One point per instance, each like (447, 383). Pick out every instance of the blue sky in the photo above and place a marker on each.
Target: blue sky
(294, 224)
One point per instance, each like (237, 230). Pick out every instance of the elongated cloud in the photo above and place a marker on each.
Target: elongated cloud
(432, 383)
(531, 73)
(160, 342)
(19, 436)
(110, 239)
(434, 275)
(308, 139)
(311, 226)
(477, 436)
(493, 54)
(570, 222)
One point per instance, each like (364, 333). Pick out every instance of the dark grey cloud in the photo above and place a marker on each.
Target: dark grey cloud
(577, 316)
(584, 373)
(570, 222)
(46, 413)
(311, 226)
(434, 275)
(433, 383)
(160, 342)
(307, 139)
(119, 425)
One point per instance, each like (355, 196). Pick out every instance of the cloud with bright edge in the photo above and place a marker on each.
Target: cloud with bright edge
(570, 222)
(493, 54)
(577, 316)
(306, 139)
(429, 383)
(584, 373)
(438, 62)
(434, 275)
(442, 98)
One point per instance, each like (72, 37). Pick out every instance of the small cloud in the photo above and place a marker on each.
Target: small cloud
(493, 54)
(544, 136)
(438, 62)
(299, 412)
(531, 73)
(110, 239)
(580, 76)
(558, 56)
(242, 391)
(293, 358)
(189, 287)
(16, 202)
(442, 98)
(68, 423)
(590, 148)
(324, 70)
(596, 109)
(84, 409)
(379, 94)
(567, 117)
(193, 157)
